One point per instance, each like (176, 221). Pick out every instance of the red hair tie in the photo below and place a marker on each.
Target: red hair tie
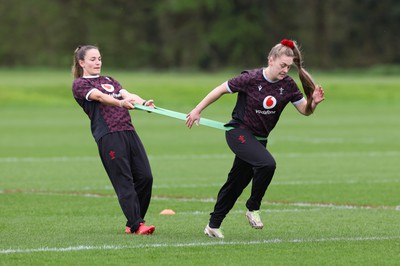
(288, 43)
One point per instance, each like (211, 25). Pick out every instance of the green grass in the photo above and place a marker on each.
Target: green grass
(334, 199)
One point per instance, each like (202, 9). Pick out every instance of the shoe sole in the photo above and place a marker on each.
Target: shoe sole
(257, 226)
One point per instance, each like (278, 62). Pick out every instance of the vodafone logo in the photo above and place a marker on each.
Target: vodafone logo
(269, 102)
(108, 87)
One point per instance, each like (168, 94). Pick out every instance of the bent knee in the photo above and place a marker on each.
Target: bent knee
(145, 179)
(267, 165)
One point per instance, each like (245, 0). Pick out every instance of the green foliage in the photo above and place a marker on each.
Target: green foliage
(333, 200)
(201, 34)
(38, 87)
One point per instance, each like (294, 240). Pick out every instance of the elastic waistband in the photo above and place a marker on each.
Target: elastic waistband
(257, 137)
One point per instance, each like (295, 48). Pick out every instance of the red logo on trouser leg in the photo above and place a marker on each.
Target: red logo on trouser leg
(241, 139)
(112, 155)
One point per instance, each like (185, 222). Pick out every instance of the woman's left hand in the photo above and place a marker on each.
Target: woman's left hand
(318, 95)
(193, 118)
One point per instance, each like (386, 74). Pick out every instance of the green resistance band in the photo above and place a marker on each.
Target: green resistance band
(182, 116)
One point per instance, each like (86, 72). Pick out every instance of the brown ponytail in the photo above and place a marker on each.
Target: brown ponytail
(79, 54)
(305, 78)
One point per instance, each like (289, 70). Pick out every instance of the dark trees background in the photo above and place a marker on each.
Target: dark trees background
(199, 34)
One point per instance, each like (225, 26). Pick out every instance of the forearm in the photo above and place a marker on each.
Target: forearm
(313, 107)
(307, 107)
(310, 110)
(214, 95)
(105, 99)
(136, 98)
(303, 109)
(109, 100)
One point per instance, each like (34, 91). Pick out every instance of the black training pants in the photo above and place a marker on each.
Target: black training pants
(126, 163)
(252, 162)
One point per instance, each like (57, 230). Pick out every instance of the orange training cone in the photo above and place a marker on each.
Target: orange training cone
(167, 212)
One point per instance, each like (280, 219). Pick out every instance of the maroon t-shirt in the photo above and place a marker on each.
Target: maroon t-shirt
(260, 102)
(104, 119)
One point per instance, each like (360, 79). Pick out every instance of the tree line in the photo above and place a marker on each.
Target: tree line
(199, 34)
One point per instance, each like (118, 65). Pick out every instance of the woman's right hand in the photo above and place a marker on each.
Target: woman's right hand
(193, 117)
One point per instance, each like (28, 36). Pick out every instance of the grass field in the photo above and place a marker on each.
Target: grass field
(334, 200)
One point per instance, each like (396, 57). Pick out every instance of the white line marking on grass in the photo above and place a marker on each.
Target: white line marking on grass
(189, 199)
(47, 159)
(242, 212)
(202, 156)
(308, 182)
(183, 199)
(61, 193)
(187, 185)
(200, 244)
(327, 154)
(331, 182)
(331, 205)
(297, 204)
(326, 140)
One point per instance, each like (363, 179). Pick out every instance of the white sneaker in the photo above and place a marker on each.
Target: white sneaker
(213, 232)
(254, 219)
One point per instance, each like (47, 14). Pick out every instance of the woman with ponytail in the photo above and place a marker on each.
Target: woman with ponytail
(262, 96)
(124, 158)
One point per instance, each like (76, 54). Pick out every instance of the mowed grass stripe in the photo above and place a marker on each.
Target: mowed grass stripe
(200, 244)
(193, 199)
(85, 191)
(201, 156)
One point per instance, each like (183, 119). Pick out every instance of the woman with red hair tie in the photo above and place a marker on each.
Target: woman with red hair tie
(262, 95)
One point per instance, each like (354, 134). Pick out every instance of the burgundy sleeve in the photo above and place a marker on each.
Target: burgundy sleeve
(239, 83)
(81, 88)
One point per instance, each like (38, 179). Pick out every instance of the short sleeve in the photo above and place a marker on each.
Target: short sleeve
(81, 88)
(239, 83)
